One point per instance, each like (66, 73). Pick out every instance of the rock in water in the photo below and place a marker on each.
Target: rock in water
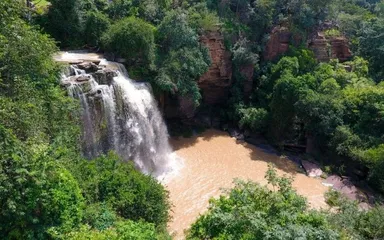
(312, 169)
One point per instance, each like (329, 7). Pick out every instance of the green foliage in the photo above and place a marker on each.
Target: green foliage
(372, 46)
(133, 39)
(95, 25)
(182, 60)
(251, 211)
(254, 118)
(332, 33)
(99, 216)
(174, 32)
(242, 54)
(201, 19)
(131, 194)
(37, 193)
(65, 22)
(352, 222)
(124, 230)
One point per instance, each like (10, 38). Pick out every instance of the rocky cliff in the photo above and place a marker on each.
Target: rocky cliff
(278, 43)
(329, 47)
(215, 83)
(324, 47)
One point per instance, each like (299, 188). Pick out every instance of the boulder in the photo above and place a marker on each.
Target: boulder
(104, 77)
(79, 79)
(88, 67)
(346, 187)
(312, 169)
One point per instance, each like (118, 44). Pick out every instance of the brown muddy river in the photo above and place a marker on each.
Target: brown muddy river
(211, 161)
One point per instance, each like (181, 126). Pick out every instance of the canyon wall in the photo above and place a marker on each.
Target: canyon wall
(215, 83)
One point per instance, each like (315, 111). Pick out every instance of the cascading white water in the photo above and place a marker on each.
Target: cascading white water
(120, 115)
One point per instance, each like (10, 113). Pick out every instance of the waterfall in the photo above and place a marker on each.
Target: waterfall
(119, 114)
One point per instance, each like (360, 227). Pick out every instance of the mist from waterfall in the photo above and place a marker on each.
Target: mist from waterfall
(122, 116)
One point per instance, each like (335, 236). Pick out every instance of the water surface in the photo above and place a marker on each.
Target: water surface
(211, 161)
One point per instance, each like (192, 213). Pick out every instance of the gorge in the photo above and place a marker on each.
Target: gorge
(122, 115)
(191, 119)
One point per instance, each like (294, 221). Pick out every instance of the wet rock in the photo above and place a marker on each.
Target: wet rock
(240, 137)
(236, 133)
(346, 187)
(88, 67)
(82, 78)
(312, 169)
(203, 120)
(85, 86)
(104, 77)
(65, 83)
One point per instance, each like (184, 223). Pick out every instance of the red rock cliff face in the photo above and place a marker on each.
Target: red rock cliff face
(215, 83)
(278, 43)
(325, 48)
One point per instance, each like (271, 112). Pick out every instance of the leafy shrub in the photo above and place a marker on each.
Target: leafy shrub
(131, 194)
(99, 216)
(95, 25)
(182, 60)
(242, 54)
(201, 19)
(65, 22)
(36, 193)
(352, 222)
(123, 230)
(254, 118)
(251, 211)
(133, 39)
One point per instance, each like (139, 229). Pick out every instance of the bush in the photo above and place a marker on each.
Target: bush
(100, 216)
(254, 118)
(123, 230)
(36, 193)
(95, 25)
(353, 222)
(251, 211)
(182, 60)
(65, 22)
(133, 39)
(131, 194)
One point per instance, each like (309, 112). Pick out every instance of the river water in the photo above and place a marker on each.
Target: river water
(211, 161)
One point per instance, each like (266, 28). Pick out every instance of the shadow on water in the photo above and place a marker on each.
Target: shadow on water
(267, 155)
(186, 142)
(260, 151)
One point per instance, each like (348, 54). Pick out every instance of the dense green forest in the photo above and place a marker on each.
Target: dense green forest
(49, 191)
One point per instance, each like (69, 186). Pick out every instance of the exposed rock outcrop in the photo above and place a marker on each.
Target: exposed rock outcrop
(215, 83)
(326, 48)
(278, 43)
